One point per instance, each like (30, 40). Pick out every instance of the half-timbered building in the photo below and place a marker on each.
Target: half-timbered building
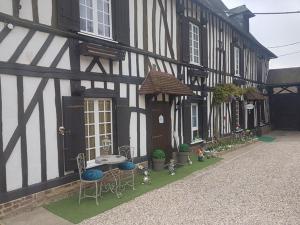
(74, 73)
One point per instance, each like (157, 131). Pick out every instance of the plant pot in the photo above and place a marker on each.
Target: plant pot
(183, 157)
(158, 164)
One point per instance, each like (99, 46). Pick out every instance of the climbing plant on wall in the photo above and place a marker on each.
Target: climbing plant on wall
(225, 92)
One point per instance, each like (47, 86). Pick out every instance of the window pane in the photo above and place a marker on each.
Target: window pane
(107, 116)
(107, 105)
(107, 31)
(100, 19)
(101, 116)
(102, 129)
(86, 130)
(89, 3)
(100, 29)
(89, 26)
(106, 19)
(82, 11)
(87, 142)
(91, 106)
(92, 130)
(82, 24)
(89, 13)
(108, 128)
(91, 118)
(92, 141)
(92, 154)
(101, 105)
(100, 5)
(106, 6)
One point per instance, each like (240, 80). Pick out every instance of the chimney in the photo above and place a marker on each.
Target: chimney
(241, 15)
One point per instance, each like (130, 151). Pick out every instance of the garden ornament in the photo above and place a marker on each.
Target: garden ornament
(189, 160)
(171, 167)
(200, 154)
(146, 173)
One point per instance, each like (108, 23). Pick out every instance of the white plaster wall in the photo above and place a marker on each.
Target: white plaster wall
(96, 69)
(105, 63)
(142, 103)
(141, 66)
(85, 62)
(6, 7)
(26, 9)
(123, 90)
(110, 86)
(149, 13)
(86, 83)
(14, 169)
(45, 11)
(116, 69)
(143, 134)
(140, 24)
(99, 84)
(9, 106)
(64, 63)
(132, 95)
(133, 65)
(133, 131)
(30, 85)
(1, 26)
(32, 48)
(65, 88)
(52, 51)
(50, 130)
(11, 42)
(33, 147)
(125, 66)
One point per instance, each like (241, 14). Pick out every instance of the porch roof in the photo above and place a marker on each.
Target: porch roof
(252, 96)
(162, 83)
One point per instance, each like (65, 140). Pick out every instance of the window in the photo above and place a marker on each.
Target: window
(194, 118)
(98, 127)
(95, 17)
(194, 43)
(236, 61)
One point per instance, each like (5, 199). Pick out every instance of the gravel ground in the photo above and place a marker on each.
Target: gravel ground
(259, 184)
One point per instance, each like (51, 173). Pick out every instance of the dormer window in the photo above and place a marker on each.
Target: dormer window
(95, 17)
(236, 61)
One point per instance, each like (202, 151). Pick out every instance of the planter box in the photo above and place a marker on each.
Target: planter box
(158, 164)
(183, 157)
(263, 130)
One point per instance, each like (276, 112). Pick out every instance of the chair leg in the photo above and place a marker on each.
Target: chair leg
(97, 193)
(80, 189)
(100, 189)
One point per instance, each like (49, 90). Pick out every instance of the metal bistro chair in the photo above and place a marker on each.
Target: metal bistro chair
(88, 177)
(127, 169)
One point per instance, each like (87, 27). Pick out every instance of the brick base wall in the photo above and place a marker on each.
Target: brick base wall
(32, 201)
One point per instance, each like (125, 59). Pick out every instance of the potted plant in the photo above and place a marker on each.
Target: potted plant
(183, 154)
(158, 159)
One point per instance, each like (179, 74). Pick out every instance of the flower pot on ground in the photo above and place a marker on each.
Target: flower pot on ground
(158, 159)
(183, 154)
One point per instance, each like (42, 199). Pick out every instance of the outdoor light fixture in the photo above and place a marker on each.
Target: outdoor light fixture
(10, 26)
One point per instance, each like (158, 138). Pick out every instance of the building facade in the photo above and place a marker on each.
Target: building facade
(72, 71)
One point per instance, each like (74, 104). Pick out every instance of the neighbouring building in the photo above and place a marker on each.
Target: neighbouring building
(74, 73)
(283, 86)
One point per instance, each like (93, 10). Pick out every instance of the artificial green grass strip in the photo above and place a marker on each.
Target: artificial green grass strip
(266, 138)
(70, 210)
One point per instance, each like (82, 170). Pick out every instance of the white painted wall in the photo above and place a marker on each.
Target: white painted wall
(6, 7)
(26, 9)
(33, 147)
(133, 131)
(30, 85)
(132, 95)
(45, 11)
(11, 42)
(50, 130)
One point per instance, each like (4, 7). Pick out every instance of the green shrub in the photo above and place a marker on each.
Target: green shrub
(184, 148)
(158, 154)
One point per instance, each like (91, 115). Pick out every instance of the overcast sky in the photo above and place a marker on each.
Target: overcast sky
(274, 30)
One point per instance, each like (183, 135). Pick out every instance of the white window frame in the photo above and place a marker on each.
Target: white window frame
(95, 21)
(194, 43)
(97, 123)
(236, 61)
(194, 128)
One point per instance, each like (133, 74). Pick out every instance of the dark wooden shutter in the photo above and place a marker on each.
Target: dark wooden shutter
(242, 62)
(68, 15)
(263, 118)
(123, 120)
(232, 58)
(204, 124)
(204, 46)
(185, 49)
(74, 138)
(121, 29)
(187, 127)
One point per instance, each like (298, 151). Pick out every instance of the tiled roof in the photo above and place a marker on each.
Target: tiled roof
(158, 82)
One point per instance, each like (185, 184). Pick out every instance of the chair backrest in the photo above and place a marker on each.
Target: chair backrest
(127, 151)
(81, 164)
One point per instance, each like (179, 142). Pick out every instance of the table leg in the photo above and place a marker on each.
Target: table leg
(114, 185)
